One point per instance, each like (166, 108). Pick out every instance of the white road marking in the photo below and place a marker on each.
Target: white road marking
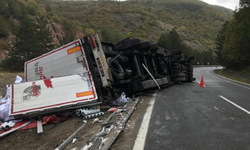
(213, 75)
(141, 137)
(243, 109)
(229, 81)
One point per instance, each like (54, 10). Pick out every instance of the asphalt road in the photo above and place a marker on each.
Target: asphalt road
(188, 117)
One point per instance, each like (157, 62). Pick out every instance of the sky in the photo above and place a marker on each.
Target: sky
(231, 4)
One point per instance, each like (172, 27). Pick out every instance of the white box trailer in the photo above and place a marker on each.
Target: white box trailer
(59, 62)
(50, 95)
(59, 80)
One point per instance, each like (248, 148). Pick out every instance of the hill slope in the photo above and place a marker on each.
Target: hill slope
(197, 22)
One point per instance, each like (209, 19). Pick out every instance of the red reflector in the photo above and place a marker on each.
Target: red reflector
(92, 42)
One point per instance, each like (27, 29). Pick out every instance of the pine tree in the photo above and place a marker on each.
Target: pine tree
(44, 36)
(236, 44)
(171, 40)
(219, 43)
(244, 3)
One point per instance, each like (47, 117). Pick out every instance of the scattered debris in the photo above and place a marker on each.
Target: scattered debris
(111, 127)
(88, 113)
(94, 115)
(70, 138)
(74, 140)
(7, 125)
(4, 106)
(14, 129)
(112, 109)
(97, 120)
(120, 100)
(39, 126)
(18, 79)
(87, 146)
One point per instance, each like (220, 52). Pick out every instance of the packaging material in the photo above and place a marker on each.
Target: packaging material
(4, 104)
(120, 100)
(18, 79)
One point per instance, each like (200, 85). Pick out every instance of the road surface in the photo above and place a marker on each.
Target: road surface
(188, 117)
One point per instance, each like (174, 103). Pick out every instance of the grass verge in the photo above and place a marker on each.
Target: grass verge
(7, 78)
(241, 76)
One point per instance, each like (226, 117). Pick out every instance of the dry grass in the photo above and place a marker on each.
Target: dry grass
(7, 78)
(242, 76)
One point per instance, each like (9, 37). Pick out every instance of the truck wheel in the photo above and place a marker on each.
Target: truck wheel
(128, 44)
(153, 47)
(145, 46)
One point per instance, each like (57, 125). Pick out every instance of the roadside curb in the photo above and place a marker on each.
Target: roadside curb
(231, 79)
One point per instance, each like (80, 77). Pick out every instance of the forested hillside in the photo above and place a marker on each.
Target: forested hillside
(196, 22)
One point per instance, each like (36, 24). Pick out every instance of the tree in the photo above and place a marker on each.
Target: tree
(219, 43)
(171, 40)
(43, 36)
(31, 41)
(236, 44)
(110, 35)
(244, 3)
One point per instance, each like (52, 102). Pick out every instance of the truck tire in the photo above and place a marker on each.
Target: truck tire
(128, 44)
(153, 47)
(144, 46)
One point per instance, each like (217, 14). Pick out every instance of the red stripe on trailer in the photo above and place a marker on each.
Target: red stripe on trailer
(51, 105)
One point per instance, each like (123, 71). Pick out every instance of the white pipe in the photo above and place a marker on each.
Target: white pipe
(14, 129)
(67, 141)
(151, 75)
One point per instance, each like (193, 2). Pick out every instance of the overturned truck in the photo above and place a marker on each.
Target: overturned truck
(89, 72)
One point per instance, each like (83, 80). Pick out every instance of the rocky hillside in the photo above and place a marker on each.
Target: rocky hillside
(12, 11)
(196, 21)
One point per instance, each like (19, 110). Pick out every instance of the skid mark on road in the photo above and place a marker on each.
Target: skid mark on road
(241, 108)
